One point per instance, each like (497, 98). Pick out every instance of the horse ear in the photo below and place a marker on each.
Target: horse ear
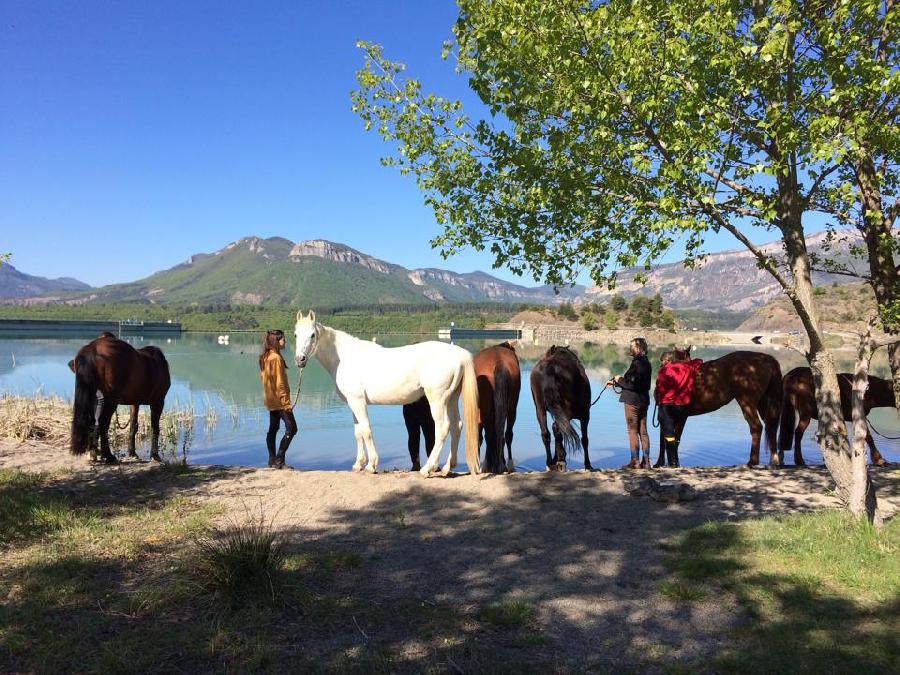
(312, 316)
(299, 312)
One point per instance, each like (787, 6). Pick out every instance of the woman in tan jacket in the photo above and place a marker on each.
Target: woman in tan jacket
(277, 396)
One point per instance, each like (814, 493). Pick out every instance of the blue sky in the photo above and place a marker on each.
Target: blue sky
(135, 134)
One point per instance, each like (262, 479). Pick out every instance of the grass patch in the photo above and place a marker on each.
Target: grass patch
(821, 591)
(680, 591)
(508, 613)
(241, 564)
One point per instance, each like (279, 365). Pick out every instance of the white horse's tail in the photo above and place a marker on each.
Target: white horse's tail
(470, 414)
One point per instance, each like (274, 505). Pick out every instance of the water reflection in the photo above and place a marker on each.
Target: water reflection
(208, 376)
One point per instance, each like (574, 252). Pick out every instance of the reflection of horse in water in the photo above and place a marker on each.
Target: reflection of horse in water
(560, 386)
(122, 374)
(365, 372)
(499, 383)
(753, 379)
(799, 397)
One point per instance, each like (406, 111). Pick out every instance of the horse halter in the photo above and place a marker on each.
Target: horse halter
(314, 345)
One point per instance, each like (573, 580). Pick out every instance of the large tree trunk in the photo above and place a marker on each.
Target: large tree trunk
(877, 230)
(832, 435)
(862, 493)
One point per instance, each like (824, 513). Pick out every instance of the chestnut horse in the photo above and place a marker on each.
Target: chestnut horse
(751, 378)
(499, 382)
(560, 386)
(122, 374)
(799, 397)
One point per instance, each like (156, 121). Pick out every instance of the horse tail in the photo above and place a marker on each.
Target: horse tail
(501, 405)
(84, 404)
(571, 440)
(788, 419)
(470, 414)
(771, 408)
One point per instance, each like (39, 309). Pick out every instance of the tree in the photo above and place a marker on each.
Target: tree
(588, 321)
(618, 128)
(618, 303)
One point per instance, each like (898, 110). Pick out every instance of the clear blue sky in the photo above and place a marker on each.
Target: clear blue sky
(134, 134)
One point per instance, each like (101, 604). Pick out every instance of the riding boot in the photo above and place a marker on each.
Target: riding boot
(270, 445)
(672, 452)
(282, 451)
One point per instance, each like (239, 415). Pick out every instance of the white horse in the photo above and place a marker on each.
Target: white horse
(365, 372)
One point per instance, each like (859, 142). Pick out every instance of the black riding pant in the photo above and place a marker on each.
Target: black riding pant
(290, 430)
(671, 418)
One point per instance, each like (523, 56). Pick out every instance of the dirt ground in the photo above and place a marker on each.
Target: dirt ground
(576, 546)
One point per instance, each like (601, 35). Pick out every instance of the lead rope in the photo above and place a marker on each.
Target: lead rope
(600, 394)
(878, 433)
(299, 382)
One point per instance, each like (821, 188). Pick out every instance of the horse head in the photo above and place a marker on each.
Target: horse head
(306, 333)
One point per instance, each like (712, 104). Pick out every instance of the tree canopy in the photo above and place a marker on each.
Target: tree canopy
(617, 127)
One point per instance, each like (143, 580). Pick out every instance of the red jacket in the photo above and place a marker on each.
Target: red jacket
(675, 382)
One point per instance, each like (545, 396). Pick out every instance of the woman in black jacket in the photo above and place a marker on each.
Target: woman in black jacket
(635, 384)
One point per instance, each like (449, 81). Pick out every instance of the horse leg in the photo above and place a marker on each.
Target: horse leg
(132, 430)
(559, 448)
(584, 442)
(413, 433)
(798, 436)
(441, 429)
(510, 421)
(106, 413)
(455, 431)
(155, 414)
(363, 433)
(545, 435)
(752, 417)
(877, 459)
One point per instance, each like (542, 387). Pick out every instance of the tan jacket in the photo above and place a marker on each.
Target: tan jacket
(276, 392)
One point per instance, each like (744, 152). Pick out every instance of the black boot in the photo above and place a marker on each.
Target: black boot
(270, 445)
(672, 452)
(282, 451)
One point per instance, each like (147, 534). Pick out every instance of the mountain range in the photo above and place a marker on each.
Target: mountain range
(321, 273)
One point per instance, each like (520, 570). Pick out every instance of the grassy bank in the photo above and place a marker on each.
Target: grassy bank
(820, 593)
(127, 572)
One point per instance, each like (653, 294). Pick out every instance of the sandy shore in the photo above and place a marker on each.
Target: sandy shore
(577, 546)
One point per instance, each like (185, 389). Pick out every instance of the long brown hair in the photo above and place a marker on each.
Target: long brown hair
(270, 343)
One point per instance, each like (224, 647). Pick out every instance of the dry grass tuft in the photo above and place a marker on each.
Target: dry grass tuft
(35, 418)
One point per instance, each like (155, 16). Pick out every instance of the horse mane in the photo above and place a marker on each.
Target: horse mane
(153, 352)
(507, 345)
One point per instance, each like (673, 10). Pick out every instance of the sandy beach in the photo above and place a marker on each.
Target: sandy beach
(575, 545)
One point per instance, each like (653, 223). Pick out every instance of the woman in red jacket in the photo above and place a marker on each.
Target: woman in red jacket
(674, 385)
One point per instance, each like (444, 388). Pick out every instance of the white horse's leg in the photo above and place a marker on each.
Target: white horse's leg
(363, 433)
(438, 406)
(455, 431)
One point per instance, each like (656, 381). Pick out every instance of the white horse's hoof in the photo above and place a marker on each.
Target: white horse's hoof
(445, 471)
(357, 467)
(425, 471)
(371, 468)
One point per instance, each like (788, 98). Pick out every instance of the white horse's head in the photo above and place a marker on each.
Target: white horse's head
(306, 332)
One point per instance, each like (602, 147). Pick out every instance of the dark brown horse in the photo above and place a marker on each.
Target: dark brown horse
(499, 382)
(799, 397)
(123, 375)
(751, 378)
(560, 386)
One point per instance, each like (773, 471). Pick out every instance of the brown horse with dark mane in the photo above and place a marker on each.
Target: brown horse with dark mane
(799, 397)
(751, 378)
(499, 382)
(123, 375)
(560, 386)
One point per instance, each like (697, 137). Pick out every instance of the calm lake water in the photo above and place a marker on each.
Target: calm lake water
(224, 379)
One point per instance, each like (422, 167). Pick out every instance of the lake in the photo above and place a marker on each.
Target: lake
(223, 379)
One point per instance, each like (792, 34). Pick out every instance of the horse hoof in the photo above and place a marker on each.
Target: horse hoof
(425, 471)
(155, 458)
(111, 459)
(445, 471)
(880, 462)
(751, 464)
(510, 466)
(561, 466)
(357, 467)
(370, 468)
